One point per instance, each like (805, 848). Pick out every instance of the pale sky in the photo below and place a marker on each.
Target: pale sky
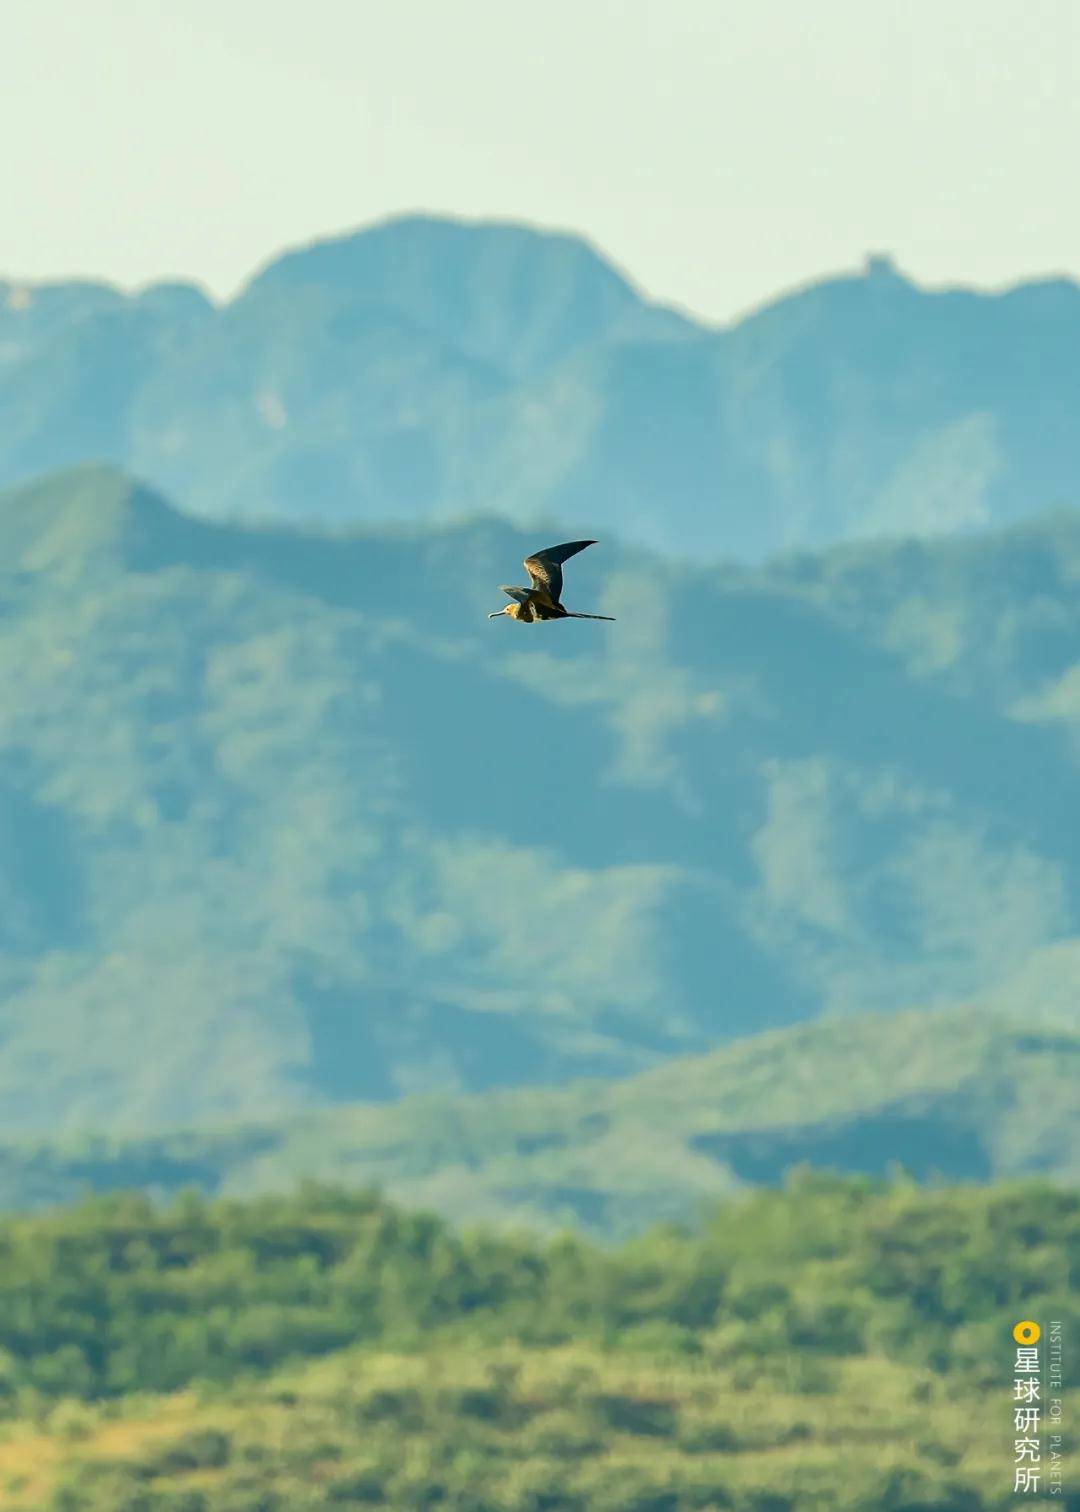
(719, 152)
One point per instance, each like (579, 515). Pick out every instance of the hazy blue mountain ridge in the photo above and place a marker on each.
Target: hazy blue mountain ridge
(432, 370)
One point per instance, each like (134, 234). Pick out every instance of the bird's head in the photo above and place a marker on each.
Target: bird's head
(500, 612)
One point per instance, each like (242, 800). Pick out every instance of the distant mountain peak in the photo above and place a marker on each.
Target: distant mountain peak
(502, 292)
(429, 236)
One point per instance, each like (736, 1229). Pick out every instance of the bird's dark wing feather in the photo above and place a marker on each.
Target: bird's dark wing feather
(545, 567)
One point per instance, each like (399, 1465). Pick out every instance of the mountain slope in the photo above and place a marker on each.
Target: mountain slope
(286, 820)
(427, 369)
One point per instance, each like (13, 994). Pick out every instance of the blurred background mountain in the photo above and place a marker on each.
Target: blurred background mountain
(287, 823)
(429, 370)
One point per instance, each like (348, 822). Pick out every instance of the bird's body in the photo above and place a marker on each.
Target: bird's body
(542, 600)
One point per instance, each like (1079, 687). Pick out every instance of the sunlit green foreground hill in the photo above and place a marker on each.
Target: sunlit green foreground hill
(833, 1346)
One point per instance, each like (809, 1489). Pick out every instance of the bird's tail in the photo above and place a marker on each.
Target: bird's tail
(571, 615)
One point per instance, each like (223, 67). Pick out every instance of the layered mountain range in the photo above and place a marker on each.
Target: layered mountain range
(286, 822)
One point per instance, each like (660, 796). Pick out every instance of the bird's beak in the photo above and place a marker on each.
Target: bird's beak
(498, 614)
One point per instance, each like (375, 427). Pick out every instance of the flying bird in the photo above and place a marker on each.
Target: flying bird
(541, 601)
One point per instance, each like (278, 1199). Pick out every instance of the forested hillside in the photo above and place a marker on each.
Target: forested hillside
(836, 1346)
(426, 369)
(287, 821)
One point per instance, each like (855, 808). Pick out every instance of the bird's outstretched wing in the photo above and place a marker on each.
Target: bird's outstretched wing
(545, 567)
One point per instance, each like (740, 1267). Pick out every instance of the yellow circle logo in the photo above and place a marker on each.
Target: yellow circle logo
(1027, 1333)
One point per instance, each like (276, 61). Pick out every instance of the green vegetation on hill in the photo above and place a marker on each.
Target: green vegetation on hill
(425, 370)
(837, 1345)
(954, 1094)
(285, 821)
